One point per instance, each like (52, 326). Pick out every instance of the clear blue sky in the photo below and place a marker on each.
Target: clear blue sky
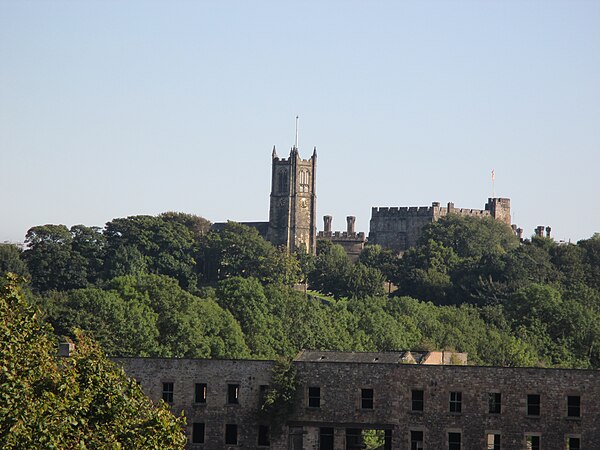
(111, 108)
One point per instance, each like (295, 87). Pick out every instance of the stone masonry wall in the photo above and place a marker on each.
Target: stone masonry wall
(216, 412)
(392, 384)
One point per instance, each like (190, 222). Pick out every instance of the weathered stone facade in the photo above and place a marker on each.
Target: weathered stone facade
(399, 228)
(353, 242)
(293, 203)
(418, 406)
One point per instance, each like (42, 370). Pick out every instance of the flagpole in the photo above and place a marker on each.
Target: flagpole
(493, 184)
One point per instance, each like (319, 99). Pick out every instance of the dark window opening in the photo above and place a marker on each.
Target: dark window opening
(366, 398)
(533, 405)
(573, 443)
(314, 397)
(533, 442)
(495, 402)
(262, 395)
(197, 433)
(200, 393)
(417, 400)
(167, 392)
(455, 402)
(454, 440)
(354, 439)
(416, 440)
(574, 406)
(231, 434)
(387, 440)
(263, 436)
(493, 441)
(326, 438)
(233, 394)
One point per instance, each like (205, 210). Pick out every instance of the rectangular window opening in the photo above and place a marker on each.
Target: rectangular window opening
(233, 394)
(533, 442)
(454, 441)
(455, 402)
(533, 405)
(200, 393)
(417, 400)
(366, 398)
(493, 441)
(573, 443)
(262, 395)
(326, 438)
(231, 431)
(264, 439)
(167, 392)
(495, 402)
(197, 433)
(574, 406)
(416, 440)
(314, 397)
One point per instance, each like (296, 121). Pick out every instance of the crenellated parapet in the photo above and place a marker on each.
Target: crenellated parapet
(403, 211)
(332, 235)
(353, 242)
(399, 228)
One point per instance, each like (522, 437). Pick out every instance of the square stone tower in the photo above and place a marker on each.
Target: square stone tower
(293, 208)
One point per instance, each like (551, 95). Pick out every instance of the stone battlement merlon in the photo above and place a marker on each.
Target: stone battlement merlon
(396, 211)
(358, 236)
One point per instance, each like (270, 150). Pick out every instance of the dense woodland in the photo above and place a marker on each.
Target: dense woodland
(169, 286)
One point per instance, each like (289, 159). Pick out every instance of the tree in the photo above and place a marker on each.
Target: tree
(331, 269)
(379, 258)
(80, 402)
(470, 237)
(11, 260)
(122, 327)
(160, 245)
(188, 326)
(51, 260)
(238, 250)
(245, 299)
(425, 272)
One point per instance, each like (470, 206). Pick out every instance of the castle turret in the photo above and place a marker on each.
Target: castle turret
(499, 209)
(351, 220)
(327, 224)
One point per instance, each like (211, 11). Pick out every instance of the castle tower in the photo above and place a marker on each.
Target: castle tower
(293, 208)
(499, 209)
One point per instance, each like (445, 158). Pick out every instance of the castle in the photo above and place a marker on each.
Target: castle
(292, 214)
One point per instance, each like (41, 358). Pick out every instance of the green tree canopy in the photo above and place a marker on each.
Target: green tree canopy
(82, 402)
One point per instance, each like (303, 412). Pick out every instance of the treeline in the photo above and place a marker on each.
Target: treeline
(169, 286)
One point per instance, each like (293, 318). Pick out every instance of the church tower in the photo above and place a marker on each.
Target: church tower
(293, 208)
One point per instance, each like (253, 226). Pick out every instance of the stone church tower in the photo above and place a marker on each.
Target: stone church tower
(293, 208)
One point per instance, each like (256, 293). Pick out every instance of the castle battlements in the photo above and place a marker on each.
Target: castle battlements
(399, 228)
(399, 211)
(360, 236)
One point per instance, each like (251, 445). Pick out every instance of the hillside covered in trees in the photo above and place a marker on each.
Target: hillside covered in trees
(169, 286)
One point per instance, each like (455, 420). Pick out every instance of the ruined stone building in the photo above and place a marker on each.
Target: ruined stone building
(411, 403)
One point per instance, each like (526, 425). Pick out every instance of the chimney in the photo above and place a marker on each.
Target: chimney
(350, 220)
(548, 230)
(327, 224)
(539, 231)
(520, 233)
